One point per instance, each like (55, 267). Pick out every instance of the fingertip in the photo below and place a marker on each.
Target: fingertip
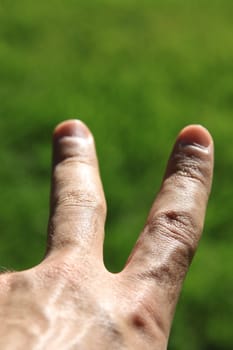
(192, 159)
(72, 138)
(195, 135)
(71, 128)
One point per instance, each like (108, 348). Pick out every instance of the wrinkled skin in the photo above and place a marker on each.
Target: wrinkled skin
(70, 300)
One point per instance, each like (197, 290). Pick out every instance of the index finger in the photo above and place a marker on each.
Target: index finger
(168, 242)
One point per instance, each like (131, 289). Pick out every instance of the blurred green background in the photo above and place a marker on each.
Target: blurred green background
(136, 73)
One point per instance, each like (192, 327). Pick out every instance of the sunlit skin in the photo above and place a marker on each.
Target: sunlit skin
(70, 301)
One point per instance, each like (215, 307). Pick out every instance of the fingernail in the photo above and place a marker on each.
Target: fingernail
(195, 135)
(73, 128)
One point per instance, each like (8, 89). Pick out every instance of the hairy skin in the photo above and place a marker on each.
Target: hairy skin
(70, 301)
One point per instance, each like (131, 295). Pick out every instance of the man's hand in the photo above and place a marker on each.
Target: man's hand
(70, 301)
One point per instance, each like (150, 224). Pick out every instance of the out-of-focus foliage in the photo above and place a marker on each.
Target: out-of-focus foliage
(136, 72)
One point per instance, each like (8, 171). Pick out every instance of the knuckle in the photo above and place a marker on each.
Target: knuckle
(73, 198)
(84, 158)
(179, 226)
(143, 319)
(178, 234)
(60, 272)
(190, 166)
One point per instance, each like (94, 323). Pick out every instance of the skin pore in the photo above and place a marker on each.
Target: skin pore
(70, 301)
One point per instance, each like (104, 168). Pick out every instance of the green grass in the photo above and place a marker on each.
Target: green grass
(136, 73)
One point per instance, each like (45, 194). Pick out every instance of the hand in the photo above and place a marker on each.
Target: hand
(70, 301)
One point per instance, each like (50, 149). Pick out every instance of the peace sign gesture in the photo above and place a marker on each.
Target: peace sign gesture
(70, 301)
